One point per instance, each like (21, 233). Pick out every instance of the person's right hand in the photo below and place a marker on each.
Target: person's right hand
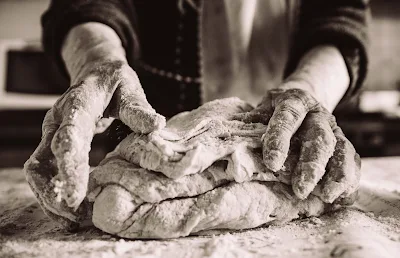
(58, 170)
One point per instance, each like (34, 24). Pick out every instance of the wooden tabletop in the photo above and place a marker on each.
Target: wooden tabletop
(371, 228)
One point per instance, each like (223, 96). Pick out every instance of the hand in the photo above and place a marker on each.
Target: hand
(58, 169)
(325, 156)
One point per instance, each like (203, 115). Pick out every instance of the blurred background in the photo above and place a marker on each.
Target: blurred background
(29, 84)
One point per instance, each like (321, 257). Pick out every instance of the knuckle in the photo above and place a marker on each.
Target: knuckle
(49, 122)
(74, 97)
(322, 136)
(279, 129)
(119, 70)
(76, 94)
(108, 68)
(290, 113)
(283, 121)
(274, 143)
(116, 65)
(332, 121)
(121, 73)
(107, 75)
(301, 97)
(292, 107)
(80, 103)
(346, 146)
(257, 115)
(316, 129)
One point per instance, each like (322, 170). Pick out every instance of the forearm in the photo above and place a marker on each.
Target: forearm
(88, 43)
(343, 24)
(64, 16)
(321, 71)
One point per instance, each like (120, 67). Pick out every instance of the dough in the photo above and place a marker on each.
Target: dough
(204, 171)
(192, 141)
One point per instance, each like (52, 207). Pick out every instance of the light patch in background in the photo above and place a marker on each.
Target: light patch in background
(386, 102)
(21, 19)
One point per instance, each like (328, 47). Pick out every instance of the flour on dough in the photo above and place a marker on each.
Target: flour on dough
(203, 172)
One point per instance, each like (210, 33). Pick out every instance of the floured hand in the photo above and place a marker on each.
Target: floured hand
(58, 170)
(326, 157)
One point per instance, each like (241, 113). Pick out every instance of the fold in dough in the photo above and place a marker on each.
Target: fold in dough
(203, 172)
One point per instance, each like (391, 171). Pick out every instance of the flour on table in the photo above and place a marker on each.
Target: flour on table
(25, 231)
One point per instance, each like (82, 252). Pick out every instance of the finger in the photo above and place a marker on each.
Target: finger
(343, 170)
(39, 169)
(134, 110)
(348, 200)
(318, 145)
(79, 110)
(67, 224)
(286, 172)
(261, 114)
(288, 115)
(257, 115)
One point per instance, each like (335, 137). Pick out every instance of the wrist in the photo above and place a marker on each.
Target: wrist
(322, 72)
(89, 44)
(305, 84)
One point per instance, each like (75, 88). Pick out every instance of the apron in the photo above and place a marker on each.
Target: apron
(244, 46)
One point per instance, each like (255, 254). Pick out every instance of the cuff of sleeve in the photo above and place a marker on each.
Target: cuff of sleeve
(351, 43)
(57, 24)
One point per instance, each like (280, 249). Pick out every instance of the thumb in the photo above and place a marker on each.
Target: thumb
(78, 111)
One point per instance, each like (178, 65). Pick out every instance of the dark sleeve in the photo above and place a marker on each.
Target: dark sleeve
(343, 23)
(62, 15)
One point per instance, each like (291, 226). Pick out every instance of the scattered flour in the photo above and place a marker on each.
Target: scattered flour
(375, 232)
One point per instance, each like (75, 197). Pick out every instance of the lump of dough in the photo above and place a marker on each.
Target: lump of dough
(204, 171)
(233, 206)
(192, 141)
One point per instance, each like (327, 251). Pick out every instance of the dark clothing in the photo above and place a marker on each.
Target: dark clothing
(169, 46)
(150, 32)
(163, 29)
(342, 23)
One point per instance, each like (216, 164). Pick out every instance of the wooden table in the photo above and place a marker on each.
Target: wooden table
(371, 228)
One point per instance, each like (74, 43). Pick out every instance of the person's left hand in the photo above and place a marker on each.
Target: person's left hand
(326, 156)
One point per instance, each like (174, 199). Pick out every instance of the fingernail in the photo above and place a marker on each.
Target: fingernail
(306, 177)
(302, 190)
(331, 191)
(274, 159)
